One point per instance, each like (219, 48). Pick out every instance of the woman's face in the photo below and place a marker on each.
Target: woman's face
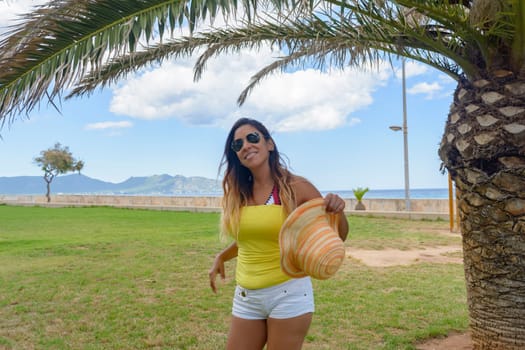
(251, 154)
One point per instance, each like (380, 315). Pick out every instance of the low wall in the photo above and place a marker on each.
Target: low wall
(146, 202)
(419, 208)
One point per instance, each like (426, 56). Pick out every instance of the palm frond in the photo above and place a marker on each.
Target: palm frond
(334, 41)
(57, 43)
(119, 67)
(95, 42)
(327, 41)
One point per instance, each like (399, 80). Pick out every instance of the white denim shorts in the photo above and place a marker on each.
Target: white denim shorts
(289, 299)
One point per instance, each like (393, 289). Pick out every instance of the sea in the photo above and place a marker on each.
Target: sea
(418, 193)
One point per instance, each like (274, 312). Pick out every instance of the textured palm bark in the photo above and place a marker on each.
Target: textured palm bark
(483, 148)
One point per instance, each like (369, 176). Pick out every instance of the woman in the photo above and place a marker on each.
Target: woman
(259, 192)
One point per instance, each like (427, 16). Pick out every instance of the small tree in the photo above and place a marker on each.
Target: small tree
(358, 194)
(55, 161)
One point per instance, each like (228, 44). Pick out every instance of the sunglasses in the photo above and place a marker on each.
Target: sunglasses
(252, 137)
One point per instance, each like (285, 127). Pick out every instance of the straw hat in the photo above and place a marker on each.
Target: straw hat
(309, 242)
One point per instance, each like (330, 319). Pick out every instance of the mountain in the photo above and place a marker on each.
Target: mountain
(81, 184)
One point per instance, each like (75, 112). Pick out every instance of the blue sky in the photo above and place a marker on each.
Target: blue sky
(332, 126)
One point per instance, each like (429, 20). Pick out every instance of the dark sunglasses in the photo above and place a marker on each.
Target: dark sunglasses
(252, 137)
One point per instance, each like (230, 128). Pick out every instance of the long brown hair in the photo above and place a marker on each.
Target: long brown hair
(237, 183)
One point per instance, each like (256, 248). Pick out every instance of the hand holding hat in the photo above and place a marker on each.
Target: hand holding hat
(309, 242)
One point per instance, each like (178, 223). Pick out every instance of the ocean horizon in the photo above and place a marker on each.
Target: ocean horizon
(416, 193)
(178, 185)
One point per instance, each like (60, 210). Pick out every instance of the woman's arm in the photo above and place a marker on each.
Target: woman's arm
(306, 191)
(226, 254)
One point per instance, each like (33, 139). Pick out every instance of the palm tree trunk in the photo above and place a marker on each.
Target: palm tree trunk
(483, 148)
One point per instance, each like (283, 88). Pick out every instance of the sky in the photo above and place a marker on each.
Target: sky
(331, 126)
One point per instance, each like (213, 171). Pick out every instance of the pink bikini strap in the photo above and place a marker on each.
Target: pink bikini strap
(275, 195)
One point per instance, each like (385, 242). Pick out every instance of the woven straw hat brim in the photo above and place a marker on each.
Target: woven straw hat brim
(309, 242)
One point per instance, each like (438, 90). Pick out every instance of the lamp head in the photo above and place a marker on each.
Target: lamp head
(395, 128)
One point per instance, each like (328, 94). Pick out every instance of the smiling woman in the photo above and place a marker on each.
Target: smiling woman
(269, 306)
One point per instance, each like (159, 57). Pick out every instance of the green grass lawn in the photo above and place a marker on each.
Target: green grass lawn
(106, 278)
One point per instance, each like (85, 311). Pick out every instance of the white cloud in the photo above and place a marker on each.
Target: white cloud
(354, 121)
(425, 88)
(314, 100)
(431, 90)
(109, 125)
(301, 100)
(412, 69)
(10, 11)
(170, 92)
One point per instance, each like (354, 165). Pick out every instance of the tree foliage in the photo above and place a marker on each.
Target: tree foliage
(360, 192)
(84, 44)
(55, 161)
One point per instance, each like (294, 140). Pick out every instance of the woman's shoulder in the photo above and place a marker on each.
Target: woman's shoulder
(304, 189)
(296, 178)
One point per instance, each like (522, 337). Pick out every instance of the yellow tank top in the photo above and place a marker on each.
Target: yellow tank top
(258, 259)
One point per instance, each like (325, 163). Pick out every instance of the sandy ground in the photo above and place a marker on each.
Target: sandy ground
(393, 257)
(452, 342)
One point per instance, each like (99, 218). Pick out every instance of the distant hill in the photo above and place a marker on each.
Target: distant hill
(81, 184)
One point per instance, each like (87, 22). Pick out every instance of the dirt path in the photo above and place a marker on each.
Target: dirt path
(393, 257)
(459, 341)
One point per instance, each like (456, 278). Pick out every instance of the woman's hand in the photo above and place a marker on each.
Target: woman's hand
(227, 254)
(217, 268)
(334, 203)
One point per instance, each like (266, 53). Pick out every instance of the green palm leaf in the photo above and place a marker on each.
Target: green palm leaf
(92, 43)
(60, 42)
(331, 38)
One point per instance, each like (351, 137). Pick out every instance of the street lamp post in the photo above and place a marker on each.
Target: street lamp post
(405, 138)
